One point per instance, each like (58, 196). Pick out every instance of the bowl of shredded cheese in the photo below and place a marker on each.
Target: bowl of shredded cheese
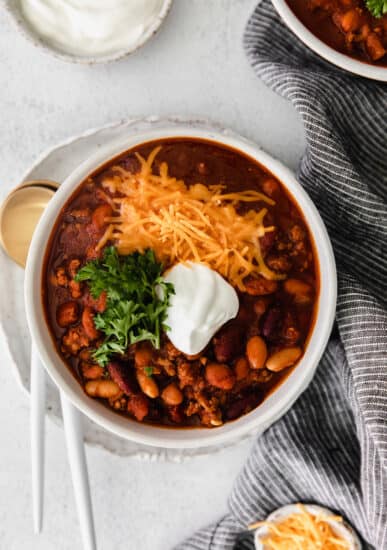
(304, 527)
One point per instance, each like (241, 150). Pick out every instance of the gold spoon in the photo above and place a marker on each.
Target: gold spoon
(19, 215)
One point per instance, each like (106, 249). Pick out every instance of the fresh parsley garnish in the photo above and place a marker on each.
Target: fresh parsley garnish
(148, 371)
(137, 300)
(377, 7)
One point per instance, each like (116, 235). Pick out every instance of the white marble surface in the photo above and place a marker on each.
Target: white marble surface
(194, 66)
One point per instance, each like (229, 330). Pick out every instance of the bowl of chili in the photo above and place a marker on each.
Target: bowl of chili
(88, 267)
(351, 34)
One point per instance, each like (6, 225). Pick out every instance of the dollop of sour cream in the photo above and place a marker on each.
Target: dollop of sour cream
(87, 27)
(202, 303)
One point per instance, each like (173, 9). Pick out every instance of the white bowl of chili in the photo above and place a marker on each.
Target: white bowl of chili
(299, 19)
(277, 402)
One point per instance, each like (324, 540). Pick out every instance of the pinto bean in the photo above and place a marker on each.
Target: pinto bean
(138, 405)
(171, 395)
(228, 342)
(301, 291)
(91, 372)
(241, 368)
(106, 389)
(67, 314)
(147, 384)
(256, 352)
(143, 356)
(88, 324)
(284, 358)
(220, 376)
(100, 214)
(259, 286)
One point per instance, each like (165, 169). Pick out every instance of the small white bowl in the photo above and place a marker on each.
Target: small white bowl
(318, 46)
(279, 401)
(342, 530)
(15, 11)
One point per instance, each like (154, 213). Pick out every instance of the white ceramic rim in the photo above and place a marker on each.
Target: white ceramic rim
(277, 403)
(28, 32)
(318, 46)
(341, 529)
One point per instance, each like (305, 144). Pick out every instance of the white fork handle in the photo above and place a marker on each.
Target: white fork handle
(37, 429)
(72, 421)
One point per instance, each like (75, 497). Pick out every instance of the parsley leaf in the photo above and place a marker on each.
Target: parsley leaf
(148, 371)
(377, 7)
(137, 300)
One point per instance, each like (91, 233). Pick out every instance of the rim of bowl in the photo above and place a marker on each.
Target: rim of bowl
(276, 404)
(343, 529)
(341, 60)
(40, 42)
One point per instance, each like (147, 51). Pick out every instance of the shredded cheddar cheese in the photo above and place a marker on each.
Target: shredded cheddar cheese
(302, 531)
(181, 223)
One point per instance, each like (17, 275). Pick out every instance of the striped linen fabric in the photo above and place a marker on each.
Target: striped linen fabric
(331, 447)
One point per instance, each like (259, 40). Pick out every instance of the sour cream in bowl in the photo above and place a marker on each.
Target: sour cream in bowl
(91, 31)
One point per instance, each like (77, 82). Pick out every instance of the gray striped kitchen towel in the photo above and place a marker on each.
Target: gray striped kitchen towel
(331, 447)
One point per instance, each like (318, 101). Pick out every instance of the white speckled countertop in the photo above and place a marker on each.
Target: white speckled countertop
(194, 66)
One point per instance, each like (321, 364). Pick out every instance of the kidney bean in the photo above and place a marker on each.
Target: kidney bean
(228, 342)
(138, 405)
(243, 405)
(271, 322)
(220, 376)
(121, 375)
(67, 314)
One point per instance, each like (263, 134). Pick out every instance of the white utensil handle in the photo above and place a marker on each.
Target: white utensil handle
(72, 421)
(38, 410)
